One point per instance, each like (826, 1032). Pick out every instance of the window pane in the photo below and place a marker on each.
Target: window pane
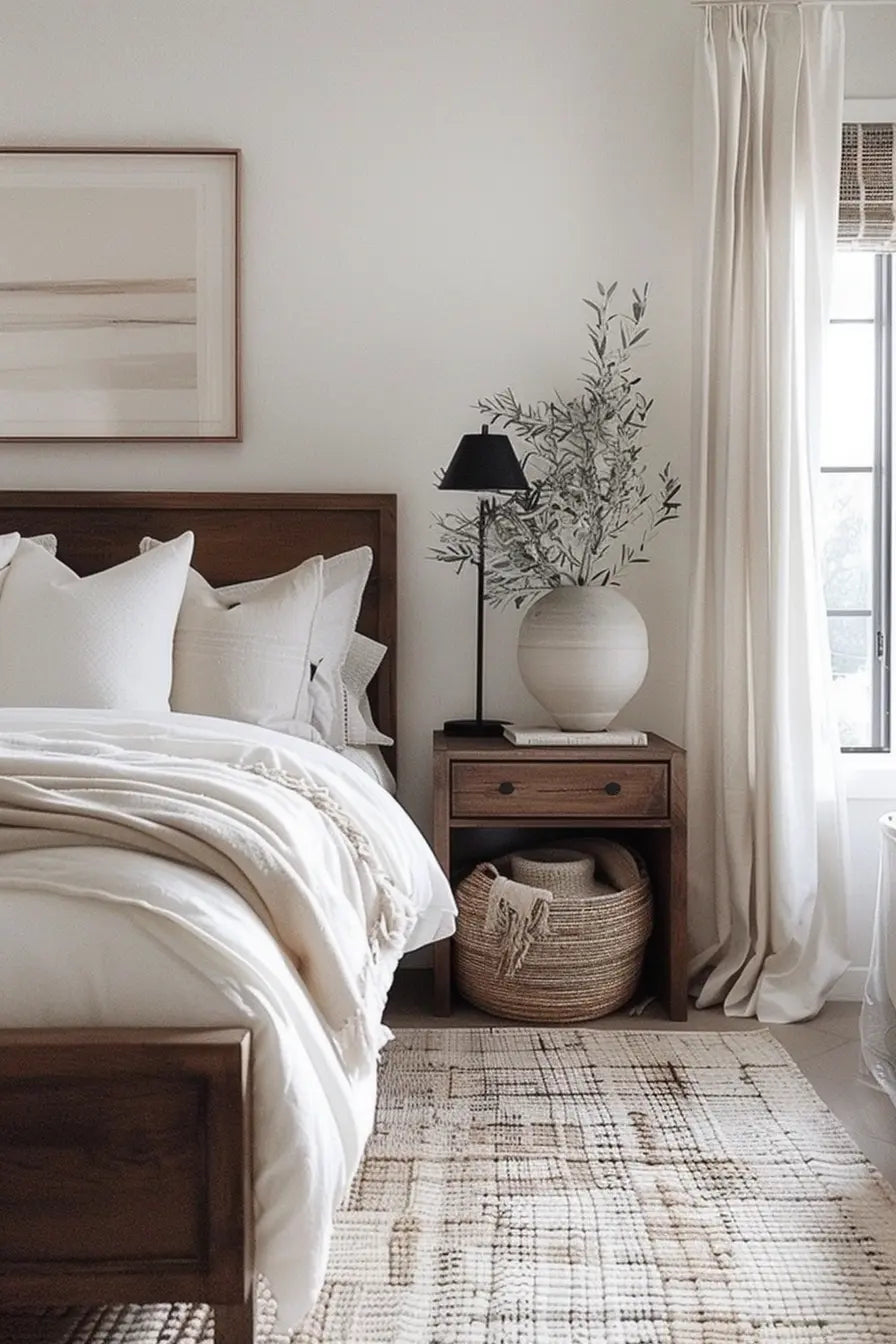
(847, 437)
(851, 660)
(852, 290)
(846, 517)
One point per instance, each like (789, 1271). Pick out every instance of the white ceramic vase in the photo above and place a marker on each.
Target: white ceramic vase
(583, 654)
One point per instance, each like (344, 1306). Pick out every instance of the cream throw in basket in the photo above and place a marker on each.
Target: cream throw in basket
(553, 935)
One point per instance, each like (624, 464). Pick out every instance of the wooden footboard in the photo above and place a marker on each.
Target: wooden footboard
(125, 1171)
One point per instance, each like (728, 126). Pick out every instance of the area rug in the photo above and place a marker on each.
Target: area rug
(530, 1186)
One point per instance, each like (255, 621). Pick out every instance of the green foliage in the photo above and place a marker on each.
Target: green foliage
(589, 512)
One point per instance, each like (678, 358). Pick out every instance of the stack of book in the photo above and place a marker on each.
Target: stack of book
(559, 737)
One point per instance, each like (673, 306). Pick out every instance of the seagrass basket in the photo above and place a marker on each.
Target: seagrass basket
(578, 956)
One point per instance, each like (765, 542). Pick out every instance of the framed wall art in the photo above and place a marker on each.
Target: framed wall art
(119, 294)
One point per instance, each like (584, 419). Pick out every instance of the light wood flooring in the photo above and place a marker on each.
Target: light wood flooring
(825, 1049)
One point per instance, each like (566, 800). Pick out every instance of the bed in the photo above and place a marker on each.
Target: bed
(184, 1106)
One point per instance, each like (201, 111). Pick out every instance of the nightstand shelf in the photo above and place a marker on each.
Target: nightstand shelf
(490, 797)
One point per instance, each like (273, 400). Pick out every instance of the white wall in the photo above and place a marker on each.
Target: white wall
(870, 50)
(430, 189)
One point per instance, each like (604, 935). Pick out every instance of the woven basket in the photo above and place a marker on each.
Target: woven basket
(588, 960)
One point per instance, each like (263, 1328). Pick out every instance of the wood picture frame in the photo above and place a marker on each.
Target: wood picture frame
(119, 295)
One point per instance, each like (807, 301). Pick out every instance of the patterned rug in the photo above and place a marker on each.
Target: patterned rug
(529, 1186)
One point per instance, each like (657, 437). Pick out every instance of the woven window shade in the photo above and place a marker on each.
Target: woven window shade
(867, 193)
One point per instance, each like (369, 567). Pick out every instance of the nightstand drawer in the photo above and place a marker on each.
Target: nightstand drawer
(559, 789)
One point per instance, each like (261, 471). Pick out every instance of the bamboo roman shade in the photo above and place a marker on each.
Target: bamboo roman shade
(867, 195)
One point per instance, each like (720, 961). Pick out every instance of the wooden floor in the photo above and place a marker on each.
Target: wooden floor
(826, 1050)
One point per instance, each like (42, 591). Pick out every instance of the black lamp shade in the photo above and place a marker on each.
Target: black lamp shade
(484, 462)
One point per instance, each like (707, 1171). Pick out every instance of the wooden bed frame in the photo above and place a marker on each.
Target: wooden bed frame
(125, 1156)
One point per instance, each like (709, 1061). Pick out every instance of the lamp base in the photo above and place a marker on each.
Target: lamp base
(473, 728)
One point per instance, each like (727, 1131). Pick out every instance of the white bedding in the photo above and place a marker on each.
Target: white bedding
(371, 760)
(95, 935)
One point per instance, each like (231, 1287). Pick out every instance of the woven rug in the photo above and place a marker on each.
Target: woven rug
(532, 1186)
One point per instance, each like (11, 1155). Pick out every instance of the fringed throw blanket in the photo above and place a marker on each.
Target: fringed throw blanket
(249, 822)
(518, 914)
(147, 859)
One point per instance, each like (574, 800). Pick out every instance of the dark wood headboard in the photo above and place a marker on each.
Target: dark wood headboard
(238, 537)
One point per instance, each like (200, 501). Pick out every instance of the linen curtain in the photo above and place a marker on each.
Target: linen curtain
(766, 811)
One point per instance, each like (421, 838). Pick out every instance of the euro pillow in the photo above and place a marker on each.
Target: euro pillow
(343, 661)
(101, 642)
(344, 580)
(247, 659)
(335, 709)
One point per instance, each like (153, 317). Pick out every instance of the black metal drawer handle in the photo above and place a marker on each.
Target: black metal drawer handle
(612, 788)
(506, 787)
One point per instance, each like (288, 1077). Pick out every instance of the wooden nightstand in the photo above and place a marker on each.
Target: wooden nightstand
(489, 797)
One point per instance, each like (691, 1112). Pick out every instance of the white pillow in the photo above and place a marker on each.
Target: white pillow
(330, 701)
(102, 642)
(351, 722)
(343, 661)
(345, 578)
(9, 542)
(247, 660)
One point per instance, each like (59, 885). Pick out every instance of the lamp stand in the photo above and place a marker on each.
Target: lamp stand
(478, 727)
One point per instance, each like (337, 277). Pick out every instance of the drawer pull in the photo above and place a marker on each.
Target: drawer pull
(506, 787)
(612, 788)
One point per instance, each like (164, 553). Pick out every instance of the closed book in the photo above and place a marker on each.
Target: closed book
(557, 737)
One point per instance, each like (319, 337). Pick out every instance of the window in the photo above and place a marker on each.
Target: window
(855, 496)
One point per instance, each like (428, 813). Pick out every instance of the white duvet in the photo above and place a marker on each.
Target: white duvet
(94, 931)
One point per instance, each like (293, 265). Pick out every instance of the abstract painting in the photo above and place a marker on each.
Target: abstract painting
(119, 294)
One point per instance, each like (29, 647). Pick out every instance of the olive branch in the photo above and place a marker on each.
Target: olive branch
(589, 512)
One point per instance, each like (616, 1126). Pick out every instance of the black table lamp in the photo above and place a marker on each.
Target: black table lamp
(487, 464)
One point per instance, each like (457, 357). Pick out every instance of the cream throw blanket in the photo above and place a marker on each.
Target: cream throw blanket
(518, 914)
(243, 823)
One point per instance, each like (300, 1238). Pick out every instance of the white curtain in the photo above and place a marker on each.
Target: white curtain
(766, 809)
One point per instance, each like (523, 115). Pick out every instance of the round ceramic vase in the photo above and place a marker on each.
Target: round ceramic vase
(583, 654)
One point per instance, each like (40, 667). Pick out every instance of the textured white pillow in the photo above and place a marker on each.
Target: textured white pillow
(9, 544)
(344, 579)
(352, 723)
(247, 659)
(102, 642)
